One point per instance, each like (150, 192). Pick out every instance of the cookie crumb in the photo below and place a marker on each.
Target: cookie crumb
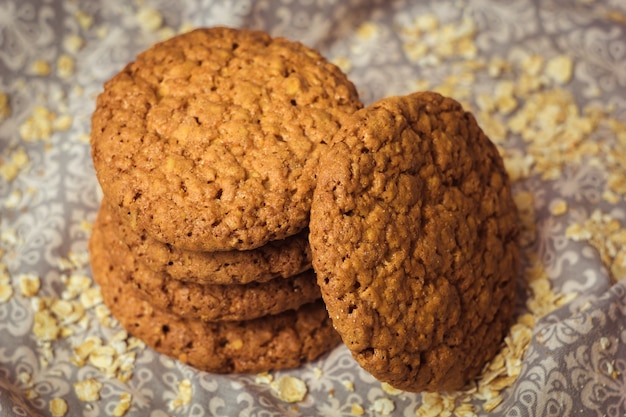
(88, 389)
(289, 388)
(57, 407)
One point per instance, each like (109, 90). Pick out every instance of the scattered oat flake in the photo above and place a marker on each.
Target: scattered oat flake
(29, 284)
(6, 292)
(383, 406)
(41, 67)
(58, 407)
(367, 30)
(356, 409)
(65, 66)
(149, 19)
(79, 259)
(491, 404)
(558, 208)
(616, 16)
(123, 405)
(263, 378)
(5, 109)
(390, 390)
(73, 43)
(45, 326)
(349, 385)
(184, 394)
(88, 389)
(62, 123)
(24, 377)
(91, 297)
(84, 20)
(344, 63)
(13, 199)
(289, 388)
(17, 161)
(560, 69)
(38, 126)
(607, 235)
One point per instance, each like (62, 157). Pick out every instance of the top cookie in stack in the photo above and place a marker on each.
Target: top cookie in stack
(210, 141)
(206, 148)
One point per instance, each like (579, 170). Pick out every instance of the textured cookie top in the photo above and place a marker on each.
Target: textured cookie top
(414, 239)
(210, 140)
(277, 259)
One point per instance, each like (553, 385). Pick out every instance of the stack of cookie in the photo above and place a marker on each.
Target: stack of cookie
(218, 149)
(206, 149)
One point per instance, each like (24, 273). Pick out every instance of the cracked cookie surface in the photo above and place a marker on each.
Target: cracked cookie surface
(210, 140)
(414, 239)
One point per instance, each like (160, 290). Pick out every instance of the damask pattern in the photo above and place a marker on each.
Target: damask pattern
(575, 362)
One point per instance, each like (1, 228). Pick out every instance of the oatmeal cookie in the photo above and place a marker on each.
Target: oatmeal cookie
(279, 258)
(211, 140)
(205, 302)
(414, 237)
(272, 342)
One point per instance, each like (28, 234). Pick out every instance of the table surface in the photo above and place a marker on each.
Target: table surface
(545, 79)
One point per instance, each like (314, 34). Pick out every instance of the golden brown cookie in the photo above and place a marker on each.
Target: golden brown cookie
(414, 239)
(211, 140)
(279, 258)
(204, 302)
(273, 342)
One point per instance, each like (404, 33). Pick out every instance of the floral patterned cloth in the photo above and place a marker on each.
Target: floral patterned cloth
(55, 56)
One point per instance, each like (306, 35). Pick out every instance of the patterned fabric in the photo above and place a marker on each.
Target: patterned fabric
(575, 363)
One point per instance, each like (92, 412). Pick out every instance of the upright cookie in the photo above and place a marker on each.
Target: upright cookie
(205, 302)
(211, 140)
(414, 239)
(267, 343)
(279, 258)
